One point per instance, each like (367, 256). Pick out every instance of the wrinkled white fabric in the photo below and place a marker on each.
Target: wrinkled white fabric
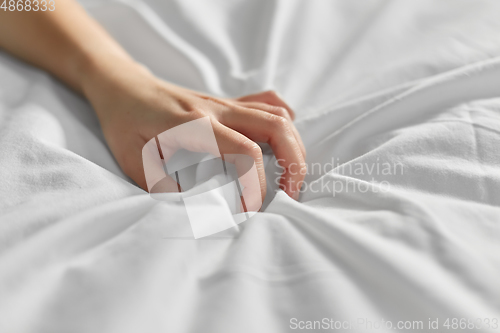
(408, 83)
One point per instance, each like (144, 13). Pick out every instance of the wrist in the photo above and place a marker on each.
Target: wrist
(111, 76)
(94, 71)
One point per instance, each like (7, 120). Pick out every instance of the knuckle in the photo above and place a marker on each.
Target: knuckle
(279, 123)
(198, 112)
(193, 114)
(279, 111)
(251, 148)
(271, 93)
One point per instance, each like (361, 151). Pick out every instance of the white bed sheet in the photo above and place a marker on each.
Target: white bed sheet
(411, 82)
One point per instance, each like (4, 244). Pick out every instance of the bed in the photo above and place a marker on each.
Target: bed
(398, 103)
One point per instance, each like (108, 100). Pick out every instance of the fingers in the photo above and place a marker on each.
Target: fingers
(236, 148)
(206, 135)
(278, 111)
(262, 117)
(277, 131)
(268, 97)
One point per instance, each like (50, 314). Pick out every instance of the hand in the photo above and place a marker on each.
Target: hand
(133, 107)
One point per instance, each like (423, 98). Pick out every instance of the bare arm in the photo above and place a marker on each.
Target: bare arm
(65, 42)
(133, 105)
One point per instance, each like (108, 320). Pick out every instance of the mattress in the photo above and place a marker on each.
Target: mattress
(397, 227)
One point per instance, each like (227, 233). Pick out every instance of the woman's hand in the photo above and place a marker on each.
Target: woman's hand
(133, 107)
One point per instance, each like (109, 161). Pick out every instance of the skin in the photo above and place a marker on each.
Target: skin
(133, 106)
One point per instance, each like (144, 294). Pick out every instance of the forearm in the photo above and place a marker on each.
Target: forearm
(66, 42)
(134, 106)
